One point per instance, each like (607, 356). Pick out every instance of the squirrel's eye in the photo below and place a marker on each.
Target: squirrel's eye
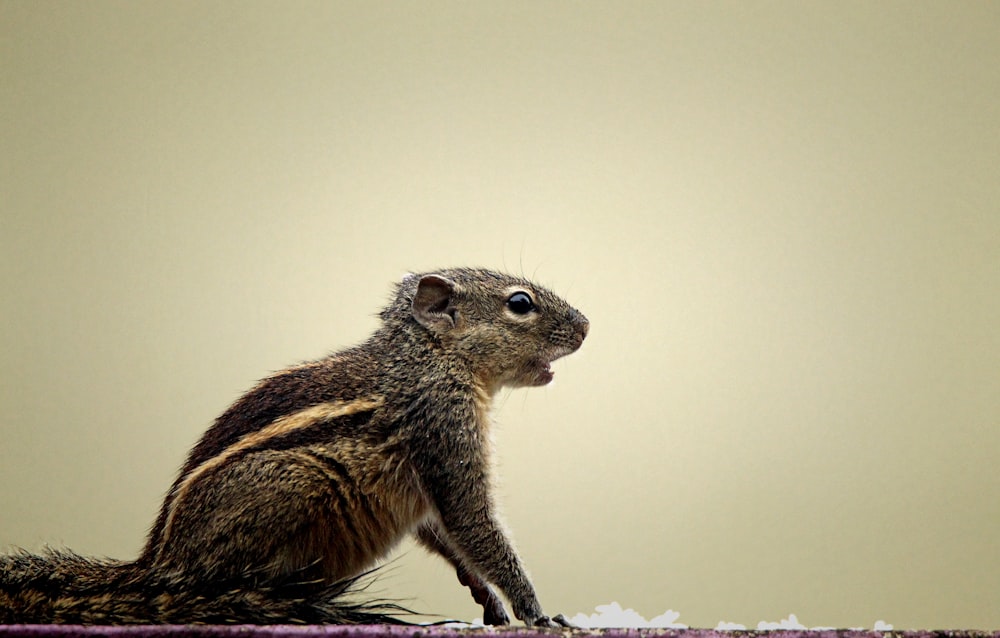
(520, 303)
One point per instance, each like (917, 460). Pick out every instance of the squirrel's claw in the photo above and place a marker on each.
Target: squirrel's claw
(555, 622)
(561, 621)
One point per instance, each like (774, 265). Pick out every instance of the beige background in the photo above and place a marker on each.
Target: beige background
(781, 218)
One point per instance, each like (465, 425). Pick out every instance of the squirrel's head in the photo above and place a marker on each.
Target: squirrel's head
(506, 328)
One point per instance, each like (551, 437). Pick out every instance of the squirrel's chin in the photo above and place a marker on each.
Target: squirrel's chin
(542, 373)
(533, 374)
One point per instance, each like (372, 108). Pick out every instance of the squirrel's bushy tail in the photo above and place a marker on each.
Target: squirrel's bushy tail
(61, 587)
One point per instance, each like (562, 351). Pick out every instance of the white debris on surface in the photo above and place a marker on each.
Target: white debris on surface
(785, 623)
(612, 615)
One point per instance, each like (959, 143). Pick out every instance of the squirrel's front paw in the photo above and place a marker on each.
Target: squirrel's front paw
(555, 622)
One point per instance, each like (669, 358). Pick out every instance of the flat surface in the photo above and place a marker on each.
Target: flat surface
(373, 631)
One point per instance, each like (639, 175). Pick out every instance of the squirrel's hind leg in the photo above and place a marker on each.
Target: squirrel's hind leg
(266, 517)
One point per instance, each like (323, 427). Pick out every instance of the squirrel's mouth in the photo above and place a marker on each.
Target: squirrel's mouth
(539, 370)
(543, 373)
(533, 372)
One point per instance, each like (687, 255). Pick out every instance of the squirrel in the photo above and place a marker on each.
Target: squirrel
(314, 475)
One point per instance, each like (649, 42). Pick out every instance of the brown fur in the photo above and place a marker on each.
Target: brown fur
(320, 470)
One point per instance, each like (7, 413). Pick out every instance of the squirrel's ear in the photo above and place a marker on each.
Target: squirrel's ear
(432, 305)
